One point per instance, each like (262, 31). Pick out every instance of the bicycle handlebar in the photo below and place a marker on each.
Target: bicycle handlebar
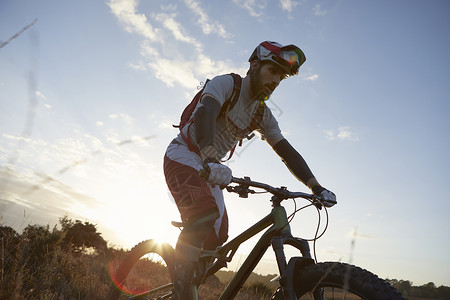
(280, 192)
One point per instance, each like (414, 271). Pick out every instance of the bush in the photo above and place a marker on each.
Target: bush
(54, 264)
(259, 289)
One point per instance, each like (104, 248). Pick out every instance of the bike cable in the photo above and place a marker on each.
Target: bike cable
(316, 235)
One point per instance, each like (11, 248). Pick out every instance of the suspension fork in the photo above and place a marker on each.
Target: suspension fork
(287, 270)
(278, 241)
(284, 236)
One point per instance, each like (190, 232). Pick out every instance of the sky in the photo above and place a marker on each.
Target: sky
(89, 91)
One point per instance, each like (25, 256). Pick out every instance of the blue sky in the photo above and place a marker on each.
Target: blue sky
(89, 92)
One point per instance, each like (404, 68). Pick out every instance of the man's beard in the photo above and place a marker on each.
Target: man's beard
(256, 85)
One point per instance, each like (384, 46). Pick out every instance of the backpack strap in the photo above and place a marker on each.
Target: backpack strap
(230, 102)
(188, 120)
(258, 116)
(254, 124)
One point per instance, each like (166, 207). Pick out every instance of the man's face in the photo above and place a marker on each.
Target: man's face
(267, 77)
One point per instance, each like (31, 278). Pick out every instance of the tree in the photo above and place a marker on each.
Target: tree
(427, 290)
(65, 222)
(443, 292)
(404, 286)
(80, 236)
(7, 232)
(39, 241)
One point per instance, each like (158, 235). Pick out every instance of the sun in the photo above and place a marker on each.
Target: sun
(135, 211)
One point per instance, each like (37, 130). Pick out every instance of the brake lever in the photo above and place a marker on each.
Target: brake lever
(240, 189)
(317, 202)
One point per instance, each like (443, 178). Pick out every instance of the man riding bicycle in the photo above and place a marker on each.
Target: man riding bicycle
(214, 130)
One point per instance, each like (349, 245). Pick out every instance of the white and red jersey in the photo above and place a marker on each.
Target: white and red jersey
(236, 126)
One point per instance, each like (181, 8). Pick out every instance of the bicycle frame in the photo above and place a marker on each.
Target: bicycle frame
(300, 272)
(277, 235)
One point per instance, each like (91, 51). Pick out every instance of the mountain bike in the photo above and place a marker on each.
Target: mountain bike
(299, 278)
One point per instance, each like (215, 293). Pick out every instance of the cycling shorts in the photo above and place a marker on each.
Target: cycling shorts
(192, 194)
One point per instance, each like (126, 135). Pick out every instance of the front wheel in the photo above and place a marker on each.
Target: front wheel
(146, 270)
(332, 280)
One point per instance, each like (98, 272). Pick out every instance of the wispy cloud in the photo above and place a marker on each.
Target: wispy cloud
(342, 133)
(254, 7)
(204, 21)
(53, 200)
(288, 5)
(16, 138)
(80, 157)
(124, 117)
(318, 11)
(177, 30)
(313, 77)
(139, 66)
(163, 68)
(125, 11)
(171, 53)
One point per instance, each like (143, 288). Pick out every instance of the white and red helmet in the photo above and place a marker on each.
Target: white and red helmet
(289, 57)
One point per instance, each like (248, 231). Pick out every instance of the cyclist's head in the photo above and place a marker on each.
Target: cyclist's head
(289, 58)
(270, 63)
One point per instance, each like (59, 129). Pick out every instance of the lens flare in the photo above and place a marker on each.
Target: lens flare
(113, 277)
(144, 270)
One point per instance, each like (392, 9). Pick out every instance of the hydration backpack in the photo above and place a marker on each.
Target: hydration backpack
(187, 117)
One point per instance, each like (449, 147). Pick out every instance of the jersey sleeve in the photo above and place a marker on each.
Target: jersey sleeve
(220, 88)
(270, 130)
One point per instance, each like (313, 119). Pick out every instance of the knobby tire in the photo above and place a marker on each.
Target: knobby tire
(333, 280)
(147, 266)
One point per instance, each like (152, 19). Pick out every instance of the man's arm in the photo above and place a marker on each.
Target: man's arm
(295, 163)
(298, 166)
(204, 126)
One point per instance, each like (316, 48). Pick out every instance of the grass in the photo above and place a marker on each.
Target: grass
(42, 264)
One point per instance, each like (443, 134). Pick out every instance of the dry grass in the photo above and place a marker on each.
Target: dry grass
(43, 264)
(37, 265)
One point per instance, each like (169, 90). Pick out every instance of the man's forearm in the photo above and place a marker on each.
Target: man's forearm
(295, 163)
(204, 121)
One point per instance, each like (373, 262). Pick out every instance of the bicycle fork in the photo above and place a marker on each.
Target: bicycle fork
(287, 269)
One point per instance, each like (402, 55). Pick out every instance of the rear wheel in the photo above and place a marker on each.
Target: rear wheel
(147, 269)
(331, 280)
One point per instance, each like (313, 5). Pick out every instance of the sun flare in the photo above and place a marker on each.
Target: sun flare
(137, 210)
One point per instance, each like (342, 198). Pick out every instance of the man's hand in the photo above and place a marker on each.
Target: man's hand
(329, 198)
(216, 173)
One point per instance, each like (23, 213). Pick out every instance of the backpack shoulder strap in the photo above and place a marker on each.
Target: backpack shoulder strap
(230, 102)
(187, 117)
(258, 116)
